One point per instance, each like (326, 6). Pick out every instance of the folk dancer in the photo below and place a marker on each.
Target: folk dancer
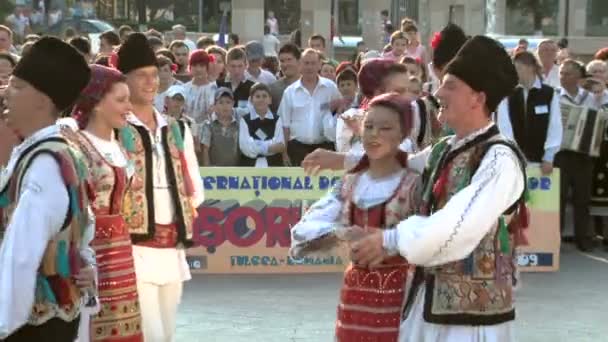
(463, 243)
(100, 111)
(378, 193)
(44, 200)
(160, 206)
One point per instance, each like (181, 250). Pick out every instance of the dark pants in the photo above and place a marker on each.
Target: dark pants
(55, 330)
(576, 173)
(297, 151)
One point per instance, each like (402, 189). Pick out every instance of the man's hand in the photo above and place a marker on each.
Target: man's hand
(322, 159)
(353, 123)
(546, 168)
(286, 160)
(369, 251)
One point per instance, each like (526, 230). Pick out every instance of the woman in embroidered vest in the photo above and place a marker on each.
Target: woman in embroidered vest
(101, 109)
(377, 193)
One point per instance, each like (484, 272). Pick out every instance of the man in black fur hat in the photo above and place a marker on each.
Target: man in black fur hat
(166, 190)
(462, 242)
(44, 202)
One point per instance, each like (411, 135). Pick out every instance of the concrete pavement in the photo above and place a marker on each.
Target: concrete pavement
(571, 305)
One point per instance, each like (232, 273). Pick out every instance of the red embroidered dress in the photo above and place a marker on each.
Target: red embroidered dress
(371, 300)
(119, 318)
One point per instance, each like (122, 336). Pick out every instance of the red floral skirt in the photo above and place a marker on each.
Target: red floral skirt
(119, 318)
(371, 302)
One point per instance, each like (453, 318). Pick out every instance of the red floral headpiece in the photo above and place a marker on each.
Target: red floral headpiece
(436, 40)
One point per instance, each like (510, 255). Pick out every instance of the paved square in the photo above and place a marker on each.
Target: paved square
(568, 306)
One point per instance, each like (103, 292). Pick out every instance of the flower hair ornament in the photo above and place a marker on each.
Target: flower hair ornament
(436, 40)
(113, 60)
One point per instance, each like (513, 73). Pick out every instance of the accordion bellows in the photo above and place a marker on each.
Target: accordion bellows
(584, 129)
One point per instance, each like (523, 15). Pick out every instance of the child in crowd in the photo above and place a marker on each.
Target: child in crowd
(348, 87)
(413, 47)
(328, 70)
(236, 80)
(398, 46)
(166, 71)
(175, 104)
(200, 91)
(217, 72)
(415, 87)
(414, 67)
(261, 134)
(220, 134)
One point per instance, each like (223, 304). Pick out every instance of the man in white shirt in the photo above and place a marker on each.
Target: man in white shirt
(576, 168)
(45, 220)
(19, 23)
(166, 191)
(547, 54)
(306, 110)
(255, 59)
(271, 44)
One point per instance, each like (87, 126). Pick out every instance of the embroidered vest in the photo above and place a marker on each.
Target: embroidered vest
(267, 126)
(56, 294)
(529, 127)
(138, 206)
(399, 206)
(479, 289)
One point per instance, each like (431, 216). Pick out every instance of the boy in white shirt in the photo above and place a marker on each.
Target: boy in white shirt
(261, 137)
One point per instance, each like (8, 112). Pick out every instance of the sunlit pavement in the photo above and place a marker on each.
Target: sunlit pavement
(571, 305)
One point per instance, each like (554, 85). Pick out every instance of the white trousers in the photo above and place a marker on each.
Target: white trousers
(158, 304)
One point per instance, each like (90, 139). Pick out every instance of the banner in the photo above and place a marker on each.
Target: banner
(244, 224)
(542, 255)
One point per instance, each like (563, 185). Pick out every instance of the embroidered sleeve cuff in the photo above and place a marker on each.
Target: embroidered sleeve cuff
(390, 241)
(351, 159)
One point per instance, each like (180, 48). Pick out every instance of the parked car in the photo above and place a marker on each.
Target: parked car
(92, 28)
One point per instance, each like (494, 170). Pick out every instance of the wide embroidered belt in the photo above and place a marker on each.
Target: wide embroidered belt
(165, 236)
(110, 226)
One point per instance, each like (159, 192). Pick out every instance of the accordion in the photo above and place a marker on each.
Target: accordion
(584, 129)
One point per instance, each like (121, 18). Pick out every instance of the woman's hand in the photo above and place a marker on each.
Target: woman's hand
(85, 279)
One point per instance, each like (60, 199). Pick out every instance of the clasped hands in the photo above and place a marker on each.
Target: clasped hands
(366, 246)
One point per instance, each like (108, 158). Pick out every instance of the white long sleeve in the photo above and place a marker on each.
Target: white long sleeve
(555, 130)
(320, 219)
(40, 213)
(503, 120)
(330, 120)
(252, 148)
(329, 127)
(193, 169)
(453, 232)
(278, 137)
